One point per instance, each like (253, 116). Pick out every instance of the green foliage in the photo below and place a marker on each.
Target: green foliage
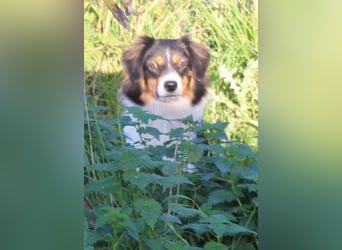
(135, 199)
(228, 28)
(140, 200)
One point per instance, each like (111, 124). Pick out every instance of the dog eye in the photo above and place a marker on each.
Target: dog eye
(153, 66)
(182, 63)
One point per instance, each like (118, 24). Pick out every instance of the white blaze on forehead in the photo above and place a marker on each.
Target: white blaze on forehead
(168, 56)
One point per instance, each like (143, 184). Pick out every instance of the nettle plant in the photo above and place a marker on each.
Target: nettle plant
(135, 199)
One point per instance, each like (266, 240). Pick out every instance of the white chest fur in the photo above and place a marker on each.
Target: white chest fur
(172, 110)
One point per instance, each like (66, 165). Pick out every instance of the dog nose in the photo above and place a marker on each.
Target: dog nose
(170, 86)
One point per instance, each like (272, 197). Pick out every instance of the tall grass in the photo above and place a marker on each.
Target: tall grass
(119, 184)
(228, 28)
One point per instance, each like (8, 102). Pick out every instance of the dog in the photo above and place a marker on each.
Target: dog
(166, 78)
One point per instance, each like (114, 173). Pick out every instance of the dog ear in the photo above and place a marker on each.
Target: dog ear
(199, 57)
(133, 56)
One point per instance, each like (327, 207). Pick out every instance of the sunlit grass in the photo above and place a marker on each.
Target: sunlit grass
(229, 30)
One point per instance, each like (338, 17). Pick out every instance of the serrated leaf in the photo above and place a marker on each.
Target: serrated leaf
(233, 229)
(112, 217)
(104, 185)
(222, 226)
(96, 109)
(132, 229)
(154, 244)
(249, 173)
(179, 245)
(216, 148)
(120, 120)
(142, 115)
(220, 196)
(222, 166)
(250, 187)
(171, 218)
(217, 125)
(149, 209)
(221, 136)
(244, 246)
(212, 245)
(170, 181)
(215, 219)
(154, 132)
(193, 152)
(110, 166)
(91, 237)
(140, 179)
(169, 168)
(199, 228)
(185, 212)
(219, 229)
(177, 133)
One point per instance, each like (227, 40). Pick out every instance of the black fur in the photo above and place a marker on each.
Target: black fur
(135, 56)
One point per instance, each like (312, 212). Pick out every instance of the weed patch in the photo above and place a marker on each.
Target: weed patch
(134, 198)
(138, 200)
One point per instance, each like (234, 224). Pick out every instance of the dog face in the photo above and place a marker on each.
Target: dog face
(165, 70)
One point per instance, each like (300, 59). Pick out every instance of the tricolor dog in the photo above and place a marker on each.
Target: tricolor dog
(165, 77)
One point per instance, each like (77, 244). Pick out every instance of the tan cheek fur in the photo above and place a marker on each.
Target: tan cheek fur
(188, 83)
(149, 89)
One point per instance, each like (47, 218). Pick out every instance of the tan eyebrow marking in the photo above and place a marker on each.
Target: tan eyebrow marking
(159, 60)
(175, 58)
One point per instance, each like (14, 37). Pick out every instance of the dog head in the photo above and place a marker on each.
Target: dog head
(165, 70)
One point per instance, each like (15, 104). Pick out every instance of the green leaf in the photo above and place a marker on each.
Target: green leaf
(221, 136)
(212, 245)
(222, 166)
(154, 244)
(154, 132)
(134, 227)
(222, 226)
(199, 228)
(142, 115)
(193, 152)
(216, 126)
(170, 181)
(244, 246)
(249, 173)
(169, 168)
(140, 179)
(96, 109)
(104, 185)
(216, 148)
(217, 224)
(110, 166)
(91, 237)
(113, 216)
(149, 209)
(233, 229)
(179, 245)
(219, 229)
(220, 196)
(171, 218)
(215, 218)
(185, 212)
(177, 133)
